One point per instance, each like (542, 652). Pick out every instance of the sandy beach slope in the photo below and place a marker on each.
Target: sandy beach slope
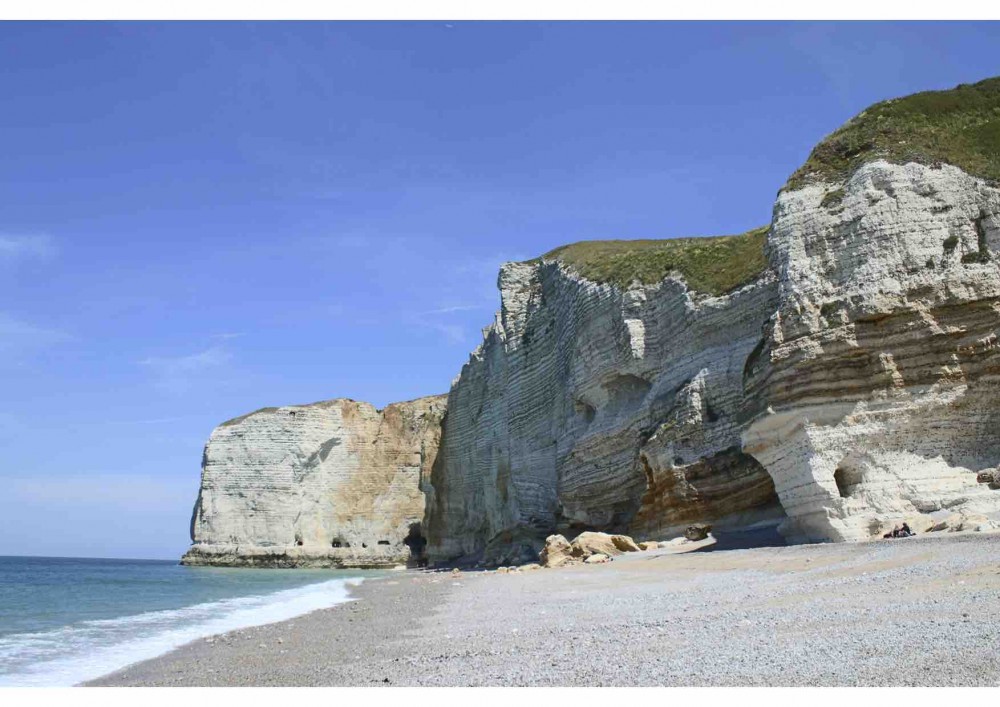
(917, 611)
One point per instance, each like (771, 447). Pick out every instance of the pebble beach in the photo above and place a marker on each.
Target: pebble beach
(907, 612)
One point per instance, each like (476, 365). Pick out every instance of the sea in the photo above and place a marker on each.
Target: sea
(67, 620)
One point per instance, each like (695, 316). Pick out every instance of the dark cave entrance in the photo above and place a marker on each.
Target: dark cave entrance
(416, 542)
(847, 481)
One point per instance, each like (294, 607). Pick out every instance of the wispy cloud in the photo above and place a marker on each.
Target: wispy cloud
(181, 374)
(454, 333)
(26, 246)
(19, 338)
(468, 287)
(456, 308)
(450, 323)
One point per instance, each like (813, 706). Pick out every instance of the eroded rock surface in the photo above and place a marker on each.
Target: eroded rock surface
(877, 380)
(335, 483)
(556, 552)
(591, 408)
(591, 543)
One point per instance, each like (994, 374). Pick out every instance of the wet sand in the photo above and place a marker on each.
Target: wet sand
(915, 611)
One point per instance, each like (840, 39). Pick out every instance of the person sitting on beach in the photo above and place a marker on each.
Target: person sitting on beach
(894, 533)
(900, 531)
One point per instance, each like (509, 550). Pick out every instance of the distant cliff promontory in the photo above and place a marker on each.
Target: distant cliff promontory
(335, 483)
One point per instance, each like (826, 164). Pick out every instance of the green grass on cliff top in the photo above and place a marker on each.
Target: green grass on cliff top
(715, 265)
(960, 126)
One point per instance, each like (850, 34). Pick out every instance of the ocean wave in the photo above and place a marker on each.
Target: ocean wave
(89, 649)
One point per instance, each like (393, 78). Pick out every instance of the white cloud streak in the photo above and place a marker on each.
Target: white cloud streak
(27, 246)
(181, 374)
(19, 338)
(456, 308)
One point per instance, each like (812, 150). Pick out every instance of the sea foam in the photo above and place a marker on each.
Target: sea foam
(87, 650)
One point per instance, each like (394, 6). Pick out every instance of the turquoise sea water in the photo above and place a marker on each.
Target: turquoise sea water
(66, 620)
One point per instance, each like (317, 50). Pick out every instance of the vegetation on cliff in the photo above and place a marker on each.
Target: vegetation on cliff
(960, 126)
(714, 265)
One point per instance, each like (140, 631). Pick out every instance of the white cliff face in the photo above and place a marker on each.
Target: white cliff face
(876, 382)
(587, 407)
(335, 483)
(853, 385)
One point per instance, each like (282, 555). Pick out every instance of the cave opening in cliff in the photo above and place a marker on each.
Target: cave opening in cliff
(846, 480)
(585, 410)
(626, 391)
(416, 541)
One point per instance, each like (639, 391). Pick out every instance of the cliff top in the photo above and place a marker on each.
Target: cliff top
(713, 265)
(959, 126)
(330, 402)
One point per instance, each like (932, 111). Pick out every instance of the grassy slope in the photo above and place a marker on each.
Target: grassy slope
(711, 265)
(960, 126)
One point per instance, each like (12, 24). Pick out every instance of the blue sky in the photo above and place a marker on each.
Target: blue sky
(198, 220)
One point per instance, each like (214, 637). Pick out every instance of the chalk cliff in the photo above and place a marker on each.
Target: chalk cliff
(876, 379)
(832, 374)
(604, 398)
(335, 483)
(594, 406)
(878, 373)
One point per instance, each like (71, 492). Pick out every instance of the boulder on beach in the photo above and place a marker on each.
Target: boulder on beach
(698, 531)
(556, 553)
(589, 543)
(970, 521)
(597, 559)
(681, 545)
(963, 522)
(649, 545)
